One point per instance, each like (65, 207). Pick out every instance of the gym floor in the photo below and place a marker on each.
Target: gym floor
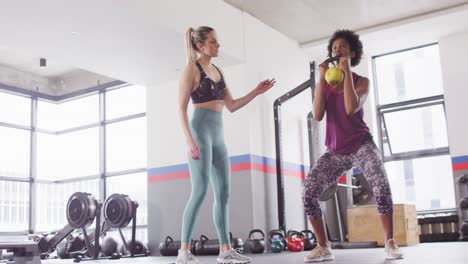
(427, 253)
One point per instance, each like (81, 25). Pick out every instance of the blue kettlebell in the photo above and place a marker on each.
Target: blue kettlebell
(276, 241)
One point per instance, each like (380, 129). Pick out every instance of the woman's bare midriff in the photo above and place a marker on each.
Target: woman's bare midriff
(216, 105)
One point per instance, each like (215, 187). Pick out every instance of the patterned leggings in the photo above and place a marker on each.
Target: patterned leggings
(331, 166)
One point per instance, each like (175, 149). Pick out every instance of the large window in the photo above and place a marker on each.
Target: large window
(15, 109)
(14, 206)
(52, 201)
(14, 152)
(15, 148)
(68, 155)
(71, 114)
(70, 152)
(413, 128)
(126, 149)
(125, 102)
(138, 192)
(408, 75)
(124, 138)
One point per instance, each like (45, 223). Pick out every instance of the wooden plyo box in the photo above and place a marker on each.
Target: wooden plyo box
(364, 225)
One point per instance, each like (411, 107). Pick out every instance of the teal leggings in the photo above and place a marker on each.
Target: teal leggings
(207, 130)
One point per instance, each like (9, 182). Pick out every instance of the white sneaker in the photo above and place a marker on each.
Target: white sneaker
(186, 257)
(392, 251)
(320, 253)
(231, 256)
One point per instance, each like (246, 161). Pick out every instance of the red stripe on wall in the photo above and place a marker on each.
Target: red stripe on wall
(460, 166)
(246, 166)
(263, 168)
(169, 177)
(241, 167)
(295, 174)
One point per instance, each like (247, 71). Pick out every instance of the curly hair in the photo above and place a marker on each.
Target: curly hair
(353, 40)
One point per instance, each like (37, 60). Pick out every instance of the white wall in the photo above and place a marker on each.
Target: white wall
(271, 55)
(455, 78)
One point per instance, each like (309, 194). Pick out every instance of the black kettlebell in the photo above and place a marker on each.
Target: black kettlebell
(309, 239)
(255, 245)
(237, 244)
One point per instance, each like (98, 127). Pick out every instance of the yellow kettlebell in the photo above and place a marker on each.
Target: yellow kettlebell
(334, 76)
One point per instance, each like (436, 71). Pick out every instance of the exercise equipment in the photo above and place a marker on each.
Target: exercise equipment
(309, 239)
(361, 190)
(438, 227)
(334, 75)
(307, 85)
(119, 210)
(24, 252)
(82, 210)
(138, 246)
(70, 247)
(170, 247)
(283, 237)
(206, 246)
(237, 244)
(255, 245)
(295, 241)
(463, 186)
(109, 246)
(277, 239)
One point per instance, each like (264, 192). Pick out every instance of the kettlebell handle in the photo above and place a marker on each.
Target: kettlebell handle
(276, 233)
(168, 238)
(256, 231)
(332, 59)
(292, 233)
(305, 232)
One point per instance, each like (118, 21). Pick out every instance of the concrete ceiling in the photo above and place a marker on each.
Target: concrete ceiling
(312, 20)
(142, 41)
(138, 41)
(27, 63)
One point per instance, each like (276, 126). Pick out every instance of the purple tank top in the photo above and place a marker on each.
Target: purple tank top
(345, 134)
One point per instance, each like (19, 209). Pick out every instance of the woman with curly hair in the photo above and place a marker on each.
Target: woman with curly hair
(349, 144)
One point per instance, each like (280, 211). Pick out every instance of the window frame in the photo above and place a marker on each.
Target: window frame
(421, 102)
(102, 175)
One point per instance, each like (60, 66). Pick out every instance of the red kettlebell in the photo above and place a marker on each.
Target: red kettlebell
(295, 241)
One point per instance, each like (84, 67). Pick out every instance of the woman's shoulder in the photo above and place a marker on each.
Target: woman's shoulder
(190, 69)
(356, 76)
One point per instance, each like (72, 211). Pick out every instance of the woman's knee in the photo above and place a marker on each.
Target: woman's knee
(199, 192)
(223, 194)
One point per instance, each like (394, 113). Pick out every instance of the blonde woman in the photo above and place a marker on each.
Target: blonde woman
(208, 158)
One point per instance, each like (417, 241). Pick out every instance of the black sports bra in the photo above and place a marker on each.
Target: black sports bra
(208, 90)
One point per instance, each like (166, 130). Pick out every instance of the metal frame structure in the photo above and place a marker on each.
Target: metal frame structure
(310, 83)
(35, 96)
